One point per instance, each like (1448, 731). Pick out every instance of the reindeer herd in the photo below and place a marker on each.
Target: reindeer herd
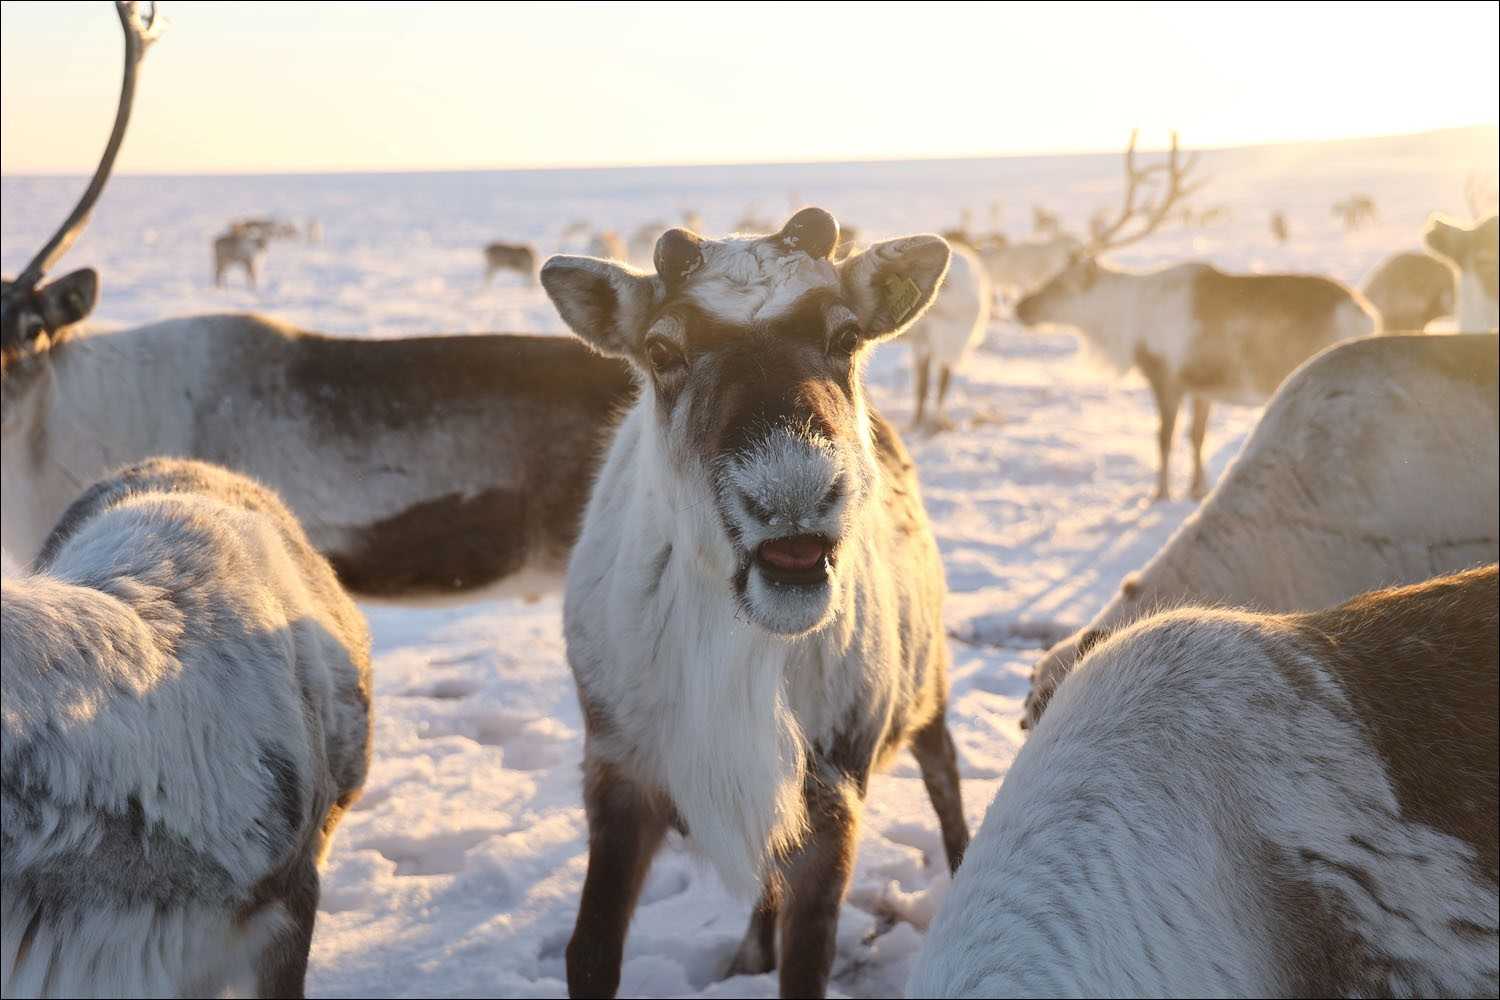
(1269, 766)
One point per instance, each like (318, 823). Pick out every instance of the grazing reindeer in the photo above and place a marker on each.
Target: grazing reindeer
(1472, 254)
(945, 334)
(187, 717)
(1280, 231)
(1355, 211)
(517, 257)
(1191, 329)
(240, 245)
(1410, 290)
(426, 466)
(1221, 803)
(753, 608)
(1375, 464)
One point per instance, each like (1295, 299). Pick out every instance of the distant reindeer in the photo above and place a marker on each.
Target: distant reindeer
(422, 467)
(945, 334)
(187, 716)
(608, 245)
(1043, 222)
(1280, 232)
(517, 257)
(271, 229)
(1355, 212)
(1193, 330)
(1225, 803)
(1471, 253)
(1410, 290)
(753, 610)
(1374, 465)
(1024, 266)
(239, 247)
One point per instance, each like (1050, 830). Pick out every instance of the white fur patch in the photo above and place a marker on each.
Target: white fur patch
(1477, 311)
(754, 280)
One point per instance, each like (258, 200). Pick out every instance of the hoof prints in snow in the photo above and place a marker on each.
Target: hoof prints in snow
(528, 743)
(439, 854)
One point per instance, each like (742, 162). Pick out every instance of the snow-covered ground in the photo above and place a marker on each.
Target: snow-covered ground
(458, 873)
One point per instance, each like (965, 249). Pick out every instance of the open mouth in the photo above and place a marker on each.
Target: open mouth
(797, 560)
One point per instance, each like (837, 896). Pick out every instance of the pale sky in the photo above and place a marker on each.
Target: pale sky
(265, 87)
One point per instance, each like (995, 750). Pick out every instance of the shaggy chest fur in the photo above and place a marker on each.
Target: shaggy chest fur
(685, 695)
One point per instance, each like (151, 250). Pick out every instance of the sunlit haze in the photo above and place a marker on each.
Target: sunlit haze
(343, 86)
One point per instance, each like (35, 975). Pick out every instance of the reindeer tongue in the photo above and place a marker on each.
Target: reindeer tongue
(799, 552)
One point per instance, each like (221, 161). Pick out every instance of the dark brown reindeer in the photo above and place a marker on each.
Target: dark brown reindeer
(518, 258)
(1191, 329)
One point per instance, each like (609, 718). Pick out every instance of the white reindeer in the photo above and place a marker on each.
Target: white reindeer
(1374, 465)
(239, 247)
(1230, 804)
(426, 466)
(1472, 254)
(1410, 290)
(753, 609)
(1191, 329)
(945, 334)
(186, 717)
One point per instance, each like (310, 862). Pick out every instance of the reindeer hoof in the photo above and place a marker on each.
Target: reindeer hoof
(750, 960)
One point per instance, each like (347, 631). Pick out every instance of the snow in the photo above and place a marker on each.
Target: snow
(459, 871)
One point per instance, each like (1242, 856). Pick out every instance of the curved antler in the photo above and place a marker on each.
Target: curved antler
(139, 34)
(1107, 236)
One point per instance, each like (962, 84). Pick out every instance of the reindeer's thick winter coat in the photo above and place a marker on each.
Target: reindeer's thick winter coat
(753, 607)
(1227, 804)
(1410, 290)
(1374, 465)
(943, 337)
(422, 466)
(186, 716)
(1195, 331)
(1474, 255)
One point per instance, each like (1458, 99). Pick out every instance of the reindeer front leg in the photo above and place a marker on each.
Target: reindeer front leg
(626, 825)
(816, 879)
(1167, 390)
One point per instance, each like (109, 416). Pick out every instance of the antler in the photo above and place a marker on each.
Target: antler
(1107, 235)
(139, 34)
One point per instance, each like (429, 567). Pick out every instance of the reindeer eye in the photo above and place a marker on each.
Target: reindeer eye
(664, 357)
(846, 340)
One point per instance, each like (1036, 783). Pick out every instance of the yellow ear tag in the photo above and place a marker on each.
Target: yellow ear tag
(901, 296)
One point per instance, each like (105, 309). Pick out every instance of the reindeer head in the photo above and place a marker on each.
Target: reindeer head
(1068, 297)
(29, 307)
(751, 355)
(1471, 251)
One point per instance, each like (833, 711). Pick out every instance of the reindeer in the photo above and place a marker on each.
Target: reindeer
(426, 466)
(608, 245)
(1191, 329)
(1280, 231)
(945, 334)
(517, 257)
(1410, 290)
(1471, 254)
(1043, 222)
(1024, 266)
(1222, 803)
(753, 610)
(187, 717)
(240, 245)
(1355, 211)
(1375, 464)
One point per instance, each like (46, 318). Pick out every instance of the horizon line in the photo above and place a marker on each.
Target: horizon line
(704, 164)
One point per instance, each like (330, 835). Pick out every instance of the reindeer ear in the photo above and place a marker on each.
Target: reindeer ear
(892, 283)
(1444, 238)
(69, 299)
(605, 303)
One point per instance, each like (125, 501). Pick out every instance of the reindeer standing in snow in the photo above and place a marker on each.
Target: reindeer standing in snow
(1191, 329)
(753, 609)
(1473, 253)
